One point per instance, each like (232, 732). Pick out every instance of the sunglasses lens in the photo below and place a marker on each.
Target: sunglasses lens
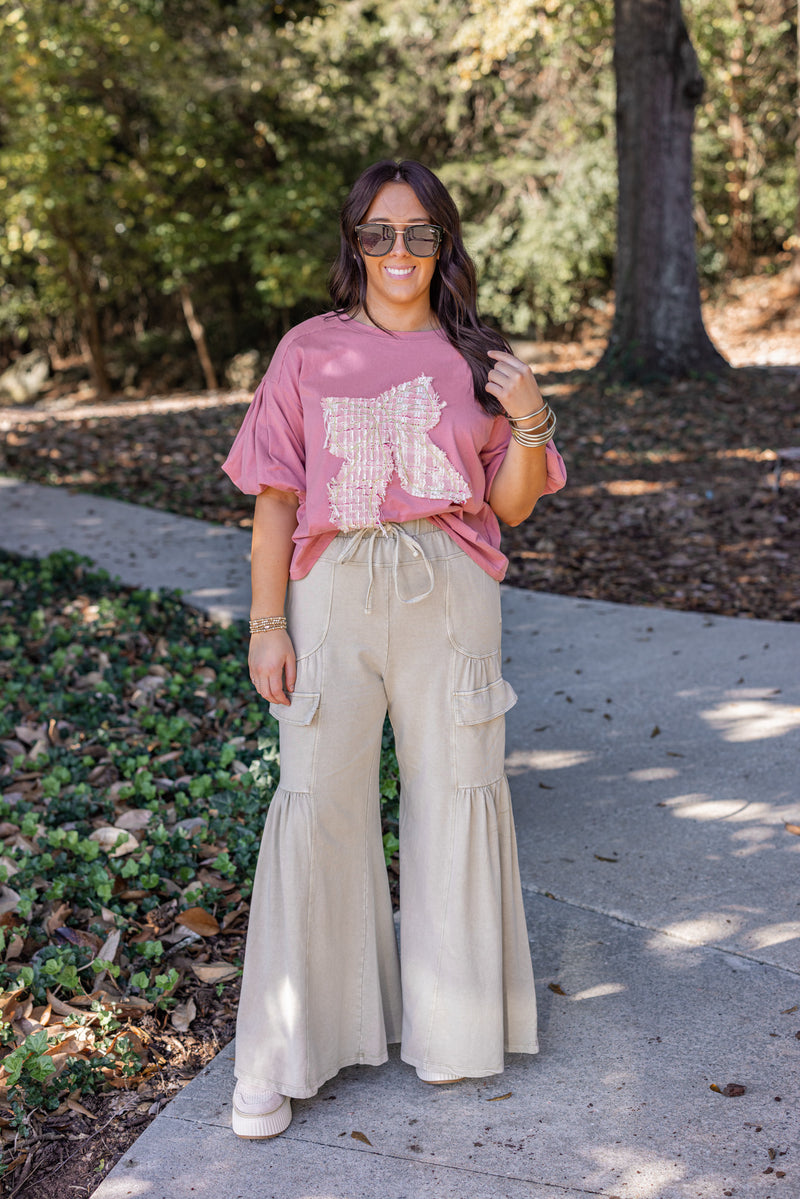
(422, 240)
(376, 239)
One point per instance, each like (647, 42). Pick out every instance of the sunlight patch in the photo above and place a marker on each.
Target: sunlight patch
(637, 1172)
(548, 759)
(773, 934)
(598, 992)
(752, 720)
(703, 930)
(653, 774)
(700, 807)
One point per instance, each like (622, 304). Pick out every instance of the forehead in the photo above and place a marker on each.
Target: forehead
(396, 203)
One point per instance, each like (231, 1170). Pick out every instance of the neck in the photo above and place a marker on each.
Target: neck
(418, 321)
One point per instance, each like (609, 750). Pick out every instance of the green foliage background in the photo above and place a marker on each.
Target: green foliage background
(152, 145)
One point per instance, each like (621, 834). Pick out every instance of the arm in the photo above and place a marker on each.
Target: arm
(522, 477)
(271, 658)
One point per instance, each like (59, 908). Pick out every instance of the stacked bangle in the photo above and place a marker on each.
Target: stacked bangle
(538, 434)
(265, 624)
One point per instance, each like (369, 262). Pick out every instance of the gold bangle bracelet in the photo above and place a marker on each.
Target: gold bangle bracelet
(532, 439)
(515, 420)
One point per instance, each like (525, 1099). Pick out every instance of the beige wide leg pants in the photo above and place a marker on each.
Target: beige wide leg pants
(399, 618)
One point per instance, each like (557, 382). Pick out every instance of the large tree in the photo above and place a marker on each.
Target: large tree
(658, 327)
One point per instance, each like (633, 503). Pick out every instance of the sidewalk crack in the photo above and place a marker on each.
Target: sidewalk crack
(618, 918)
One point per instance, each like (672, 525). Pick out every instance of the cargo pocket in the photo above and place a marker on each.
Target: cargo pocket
(480, 733)
(308, 609)
(473, 608)
(298, 739)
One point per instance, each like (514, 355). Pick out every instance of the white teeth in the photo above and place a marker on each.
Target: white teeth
(400, 271)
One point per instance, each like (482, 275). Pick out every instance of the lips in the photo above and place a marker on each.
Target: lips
(399, 272)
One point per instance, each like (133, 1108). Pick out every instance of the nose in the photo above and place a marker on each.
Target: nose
(398, 233)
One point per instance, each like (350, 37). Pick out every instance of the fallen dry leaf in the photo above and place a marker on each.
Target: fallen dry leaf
(108, 950)
(199, 921)
(495, 1098)
(15, 947)
(9, 898)
(63, 1009)
(214, 972)
(9, 866)
(75, 1106)
(793, 828)
(183, 1015)
(134, 819)
(556, 989)
(107, 838)
(730, 1090)
(359, 1136)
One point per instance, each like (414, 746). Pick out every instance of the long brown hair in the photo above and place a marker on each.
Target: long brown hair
(454, 289)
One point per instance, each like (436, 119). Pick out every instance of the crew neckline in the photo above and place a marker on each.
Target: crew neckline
(373, 330)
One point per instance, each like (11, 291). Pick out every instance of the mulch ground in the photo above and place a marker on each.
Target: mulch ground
(69, 1155)
(679, 496)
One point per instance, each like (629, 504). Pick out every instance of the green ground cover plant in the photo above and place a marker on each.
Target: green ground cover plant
(137, 768)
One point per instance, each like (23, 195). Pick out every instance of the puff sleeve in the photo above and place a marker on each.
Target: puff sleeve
(269, 449)
(494, 452)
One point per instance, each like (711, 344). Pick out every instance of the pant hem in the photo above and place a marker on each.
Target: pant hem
(305, 1091)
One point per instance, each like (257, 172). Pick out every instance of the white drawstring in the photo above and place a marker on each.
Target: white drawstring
(399, 534)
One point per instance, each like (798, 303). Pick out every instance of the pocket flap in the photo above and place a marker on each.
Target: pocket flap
(476, 707)
(300, 711)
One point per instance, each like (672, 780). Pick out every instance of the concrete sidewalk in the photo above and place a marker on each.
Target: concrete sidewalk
(654, 762)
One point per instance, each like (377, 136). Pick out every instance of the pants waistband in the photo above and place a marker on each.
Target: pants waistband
(404, 537)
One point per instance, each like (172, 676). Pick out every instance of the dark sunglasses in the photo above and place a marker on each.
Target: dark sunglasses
(420, 240)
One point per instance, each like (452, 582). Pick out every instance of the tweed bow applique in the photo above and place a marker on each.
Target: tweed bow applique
(376, 437)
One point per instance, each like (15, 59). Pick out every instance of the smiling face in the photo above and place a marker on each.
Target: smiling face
(398, 284)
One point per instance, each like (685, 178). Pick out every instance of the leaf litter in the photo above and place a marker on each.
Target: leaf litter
(130, 818)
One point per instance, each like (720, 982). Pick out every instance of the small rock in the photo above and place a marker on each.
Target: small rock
(244, 370)
(24, 379)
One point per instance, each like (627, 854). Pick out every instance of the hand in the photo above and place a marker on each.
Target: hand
(272, 661)
(514, 385)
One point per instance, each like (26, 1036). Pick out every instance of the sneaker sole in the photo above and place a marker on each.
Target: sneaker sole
(438, 1079)
(262, 1127)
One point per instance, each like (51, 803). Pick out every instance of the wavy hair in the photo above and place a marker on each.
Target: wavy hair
(454, 289)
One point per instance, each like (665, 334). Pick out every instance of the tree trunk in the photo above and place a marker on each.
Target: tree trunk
(199, 337)
(794, 270)
(658, 327)
(91, 339)
(740, 254)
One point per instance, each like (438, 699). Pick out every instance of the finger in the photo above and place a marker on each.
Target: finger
(275, 688)
(502, 356)
(290, 671)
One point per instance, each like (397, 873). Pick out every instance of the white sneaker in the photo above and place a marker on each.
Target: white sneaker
(260, 1113)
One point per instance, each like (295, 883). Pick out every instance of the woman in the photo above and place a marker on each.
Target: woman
(383, 444)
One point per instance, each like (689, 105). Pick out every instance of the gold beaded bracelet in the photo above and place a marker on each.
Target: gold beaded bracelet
(265, 624)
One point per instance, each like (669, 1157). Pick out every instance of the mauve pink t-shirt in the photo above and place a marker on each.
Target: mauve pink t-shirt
(368, 427)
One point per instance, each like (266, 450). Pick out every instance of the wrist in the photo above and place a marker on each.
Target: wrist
(533, 429)
(266, 624)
